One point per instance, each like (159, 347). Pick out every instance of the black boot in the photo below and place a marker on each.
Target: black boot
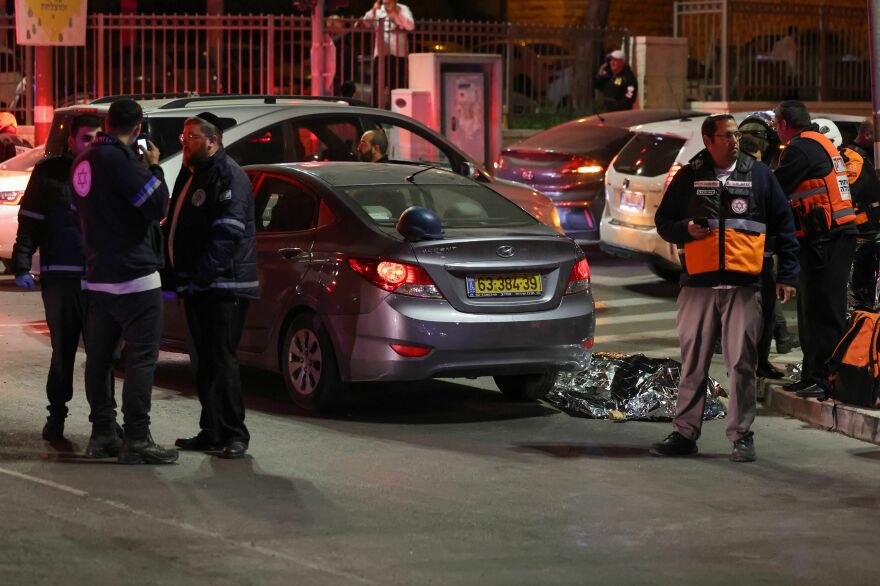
(53, 431)
(675, 444)
(145, 451)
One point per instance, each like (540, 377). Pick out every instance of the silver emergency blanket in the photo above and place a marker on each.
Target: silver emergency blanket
(628, 386)
(793, 371)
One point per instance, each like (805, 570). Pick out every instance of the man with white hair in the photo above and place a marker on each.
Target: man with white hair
(617, 82)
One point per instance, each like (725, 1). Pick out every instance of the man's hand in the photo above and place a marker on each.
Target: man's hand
(25, 281)
(151, 155)
(697, 232)
(376, 7)
(785, 292)
(603, 70)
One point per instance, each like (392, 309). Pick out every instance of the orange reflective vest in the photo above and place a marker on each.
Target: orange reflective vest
(825, 203)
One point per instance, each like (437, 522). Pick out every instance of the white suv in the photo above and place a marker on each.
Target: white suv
(638, 176)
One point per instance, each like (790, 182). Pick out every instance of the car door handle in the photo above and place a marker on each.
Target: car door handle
(289, 253)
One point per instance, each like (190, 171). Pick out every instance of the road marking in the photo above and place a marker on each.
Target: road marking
(629, 302)
(188, 527)
(637, 337)
(622, 281)
(636, 318)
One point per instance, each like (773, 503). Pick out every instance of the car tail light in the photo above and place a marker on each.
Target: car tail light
(410, 351)
(587, 343)
(579, 278)
(11, 198)
(582, 166)
(672, 172)
(397, 277)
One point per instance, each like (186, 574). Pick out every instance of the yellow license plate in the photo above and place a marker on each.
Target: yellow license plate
(504, 286)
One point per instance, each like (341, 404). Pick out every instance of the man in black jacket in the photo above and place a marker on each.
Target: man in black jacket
(47, 223)
(617, 83)
(212, 249)
(866, 261)
(720, 209)
(120, 202)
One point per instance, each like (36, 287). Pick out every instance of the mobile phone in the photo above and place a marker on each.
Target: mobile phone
(142, 144)
(701, 222)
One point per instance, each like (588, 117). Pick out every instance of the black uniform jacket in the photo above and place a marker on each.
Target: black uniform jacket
(213, 245)
(120, 204)
(764, 202)
(47, 222)
(805, 159)
(619, 90)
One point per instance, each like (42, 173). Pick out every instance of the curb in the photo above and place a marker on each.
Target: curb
(856, 422)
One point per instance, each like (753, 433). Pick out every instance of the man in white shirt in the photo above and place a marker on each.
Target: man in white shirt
(397, 20)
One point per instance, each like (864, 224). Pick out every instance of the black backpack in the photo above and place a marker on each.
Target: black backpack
(855, 364)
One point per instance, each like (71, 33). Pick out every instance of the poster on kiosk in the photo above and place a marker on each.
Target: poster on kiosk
(464, 117)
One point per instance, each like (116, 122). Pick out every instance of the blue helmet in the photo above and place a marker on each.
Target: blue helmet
(418, 223)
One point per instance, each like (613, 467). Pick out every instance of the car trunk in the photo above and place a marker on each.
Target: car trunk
(505, 273)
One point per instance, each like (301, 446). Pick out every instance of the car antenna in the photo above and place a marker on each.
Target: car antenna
(427, 168)
(681, 115)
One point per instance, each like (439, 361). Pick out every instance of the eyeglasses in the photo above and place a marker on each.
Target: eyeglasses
(190, 136)
(728, 135)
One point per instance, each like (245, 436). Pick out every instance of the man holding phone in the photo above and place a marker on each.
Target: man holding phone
(721, 209)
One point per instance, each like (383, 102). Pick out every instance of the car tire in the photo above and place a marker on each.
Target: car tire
(526, 387)
(665, 273)
(309, 367)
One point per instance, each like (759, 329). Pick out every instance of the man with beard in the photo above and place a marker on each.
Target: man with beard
(373, 147)
(211, 237)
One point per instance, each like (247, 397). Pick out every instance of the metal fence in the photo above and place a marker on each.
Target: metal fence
(772, 51)
(545, 68)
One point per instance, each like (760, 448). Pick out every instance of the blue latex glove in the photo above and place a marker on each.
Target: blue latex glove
(25, 281)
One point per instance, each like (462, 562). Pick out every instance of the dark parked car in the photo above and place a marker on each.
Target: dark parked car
(568, 163)
(346, 297)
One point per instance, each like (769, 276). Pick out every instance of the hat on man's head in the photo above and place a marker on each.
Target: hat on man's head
(221, 123)
(617, 54)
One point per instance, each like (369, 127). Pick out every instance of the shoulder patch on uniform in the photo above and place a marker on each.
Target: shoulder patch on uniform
(226, 195)
(82, 178)
(715, 183)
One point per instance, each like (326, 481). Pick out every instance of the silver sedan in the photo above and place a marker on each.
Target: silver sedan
(347, 298)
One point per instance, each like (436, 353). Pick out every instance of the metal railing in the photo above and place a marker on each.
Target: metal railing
(774, 51)
(546, 68)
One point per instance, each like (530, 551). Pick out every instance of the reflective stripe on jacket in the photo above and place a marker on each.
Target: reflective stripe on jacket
(824, 203)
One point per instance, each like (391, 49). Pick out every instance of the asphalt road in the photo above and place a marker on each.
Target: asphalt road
(434, 483)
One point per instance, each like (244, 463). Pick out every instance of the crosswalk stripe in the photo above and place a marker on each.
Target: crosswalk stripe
(629, 302)
(636, 318)
(637, 336)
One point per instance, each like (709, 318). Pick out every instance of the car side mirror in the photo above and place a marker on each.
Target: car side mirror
(470, 170)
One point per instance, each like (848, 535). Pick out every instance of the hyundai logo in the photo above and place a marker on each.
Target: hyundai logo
(505, 251)
(528, 175)
(626, 183)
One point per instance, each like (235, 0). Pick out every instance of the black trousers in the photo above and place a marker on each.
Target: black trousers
(395, 77)
(136, 319)
(65, 304)
(864, 274)
(822, 299)
(216, 322)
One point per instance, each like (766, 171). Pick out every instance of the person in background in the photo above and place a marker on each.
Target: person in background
(866, 261)
(10, 143)
(48, 223)
(398, 20)
(617, 82)
(373, 147)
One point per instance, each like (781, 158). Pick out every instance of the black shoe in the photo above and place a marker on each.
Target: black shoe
(799, 385)
(675, 444)
(233, 450)
(53, 431)
(744, 449)
(103, 446)
(197, 443)
(769, 371)
(814, 391)
(785, 346)
(145, 451)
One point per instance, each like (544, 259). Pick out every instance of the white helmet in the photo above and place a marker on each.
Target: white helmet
(829, 129)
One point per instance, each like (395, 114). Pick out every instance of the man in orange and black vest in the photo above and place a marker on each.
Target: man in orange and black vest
(866, 200)
(814, 177)
(721, 209)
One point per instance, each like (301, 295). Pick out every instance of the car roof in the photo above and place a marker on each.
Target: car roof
(688, 128)
(347, 173)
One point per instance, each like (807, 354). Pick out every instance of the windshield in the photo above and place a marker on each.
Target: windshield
(459, 206)
(25, 161)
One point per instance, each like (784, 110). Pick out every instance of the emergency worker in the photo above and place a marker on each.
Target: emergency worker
(46, 222)
(10, 143)
(120, 202)
(813, 175)
(617, 82)
(866, 200)
(720, 209)
(212, 249)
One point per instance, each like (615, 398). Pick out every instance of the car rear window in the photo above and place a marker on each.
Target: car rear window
(648, 155)
(600, 142)
(459, 206)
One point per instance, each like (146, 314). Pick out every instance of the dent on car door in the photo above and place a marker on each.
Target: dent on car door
(285, 213)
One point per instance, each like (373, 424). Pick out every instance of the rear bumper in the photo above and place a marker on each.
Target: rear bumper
(462, 344)
(641, 243)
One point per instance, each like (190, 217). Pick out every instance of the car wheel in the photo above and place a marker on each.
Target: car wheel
(665, 273)
(308, 365)
(526, 387)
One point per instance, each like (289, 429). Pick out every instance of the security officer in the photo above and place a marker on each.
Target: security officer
(617, 83)
(120, 202)
(212, 249)
(47, 222)
(813, 175)
(720, 209)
